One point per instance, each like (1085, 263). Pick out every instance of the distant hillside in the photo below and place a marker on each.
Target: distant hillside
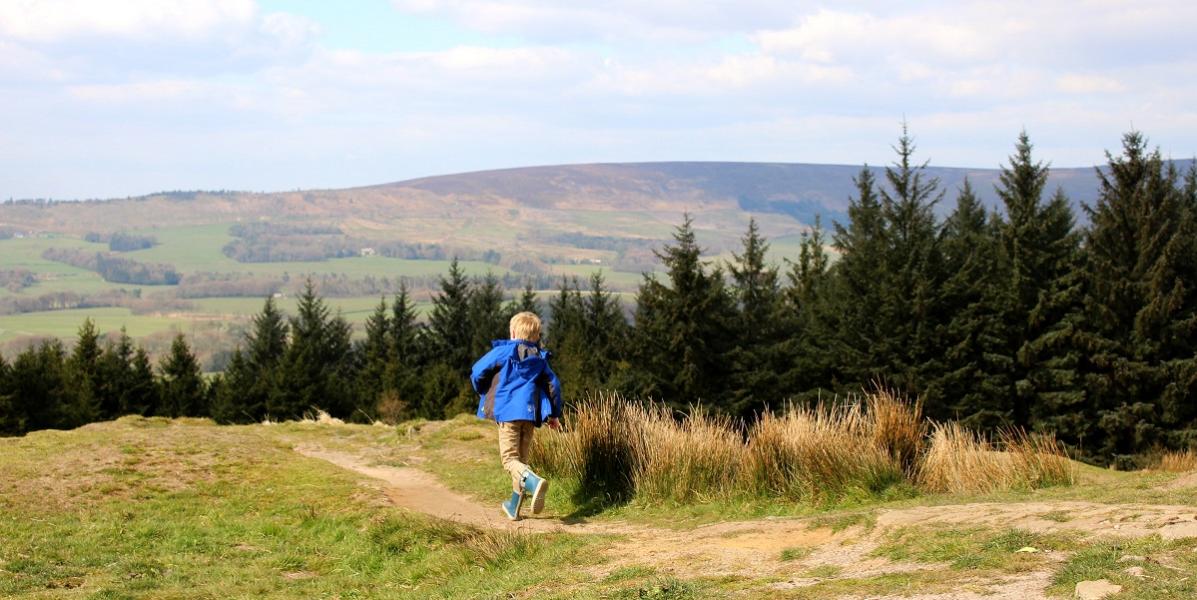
(524, 206)
(796, 189)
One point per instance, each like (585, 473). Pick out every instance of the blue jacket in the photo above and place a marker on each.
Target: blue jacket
(515, 383)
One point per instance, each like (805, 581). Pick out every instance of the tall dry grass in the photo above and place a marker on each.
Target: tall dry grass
(1178, 461)
(962, 461)
(617, 450)
(696, 457)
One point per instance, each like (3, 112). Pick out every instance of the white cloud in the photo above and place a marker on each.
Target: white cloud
(1088, 84)
(59, 20)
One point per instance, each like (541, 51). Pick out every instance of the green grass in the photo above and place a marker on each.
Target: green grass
(1168, 568)
(187, 510)
(973, 548)
(795, 553)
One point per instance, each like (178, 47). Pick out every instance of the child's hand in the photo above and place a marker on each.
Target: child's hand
(554, 424)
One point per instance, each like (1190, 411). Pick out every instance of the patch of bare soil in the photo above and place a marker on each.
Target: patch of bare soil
(754, 548)
(1135, 520)
(1184, 481)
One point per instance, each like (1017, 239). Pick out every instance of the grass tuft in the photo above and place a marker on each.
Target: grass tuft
(1178, 462)
(961, 461)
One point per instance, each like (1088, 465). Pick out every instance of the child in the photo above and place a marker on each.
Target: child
(519, 392)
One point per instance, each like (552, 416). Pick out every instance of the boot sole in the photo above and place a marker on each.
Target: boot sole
(538, 496)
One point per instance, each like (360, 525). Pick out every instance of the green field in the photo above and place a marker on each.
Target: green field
(197, 248)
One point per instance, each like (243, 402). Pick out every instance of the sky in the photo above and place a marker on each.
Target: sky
(112, 98)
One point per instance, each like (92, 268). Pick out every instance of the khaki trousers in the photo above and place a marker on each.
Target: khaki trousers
(515, 444)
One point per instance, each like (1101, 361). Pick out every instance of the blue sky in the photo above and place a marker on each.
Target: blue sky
(126, 97)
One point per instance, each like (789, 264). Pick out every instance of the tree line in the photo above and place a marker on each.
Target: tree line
(115, 269)
(1015, 317)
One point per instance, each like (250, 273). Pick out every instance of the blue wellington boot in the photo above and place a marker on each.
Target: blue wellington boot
(536, 487)
(511, 507)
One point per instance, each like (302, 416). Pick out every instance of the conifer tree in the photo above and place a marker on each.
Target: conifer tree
(38, 394)
(406, 359)
(805, 322)
(974, 382)
(267, 342)
(1140, 306)
(376, 354)
(566, 338)
(488, 320)
(450, 335)
(316, 370)
(682, 330)
(84, 379)
(850, 314)
(115, 370)
(8, 416)
(227, 404)
(265, 347)
(758, 360)
(183, 389)
(526, 302)
(912, 272)
(606, 332)
(1038, 253)
(141, 396)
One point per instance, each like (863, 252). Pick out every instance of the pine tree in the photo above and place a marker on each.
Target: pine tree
(84, 379)
(376, 354)
(9, 418)
(606, 331)
(526, 302)
(407, 358)
(267, 342)
(141, 396)
(405, 331)
(183, 389)
(1140, 306)
(265, 347)
(228, 400)
(974, 382)
(487, 316)
(450, 336)
(1038, 253)
(853, 296)
(566, 339)
(910, 352)
(758, 360)
(115, 369)
(681, 337)
(806, 345)
(316, 372)
(38, 395)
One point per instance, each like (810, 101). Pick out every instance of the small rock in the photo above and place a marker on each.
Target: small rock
(1096, 590)
(1135, 572)
(1132, 558)
(1026, 550)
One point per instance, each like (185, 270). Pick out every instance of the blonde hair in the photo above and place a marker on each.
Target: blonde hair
(525, 326)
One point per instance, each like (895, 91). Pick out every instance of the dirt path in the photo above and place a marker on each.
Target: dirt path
(754, 548)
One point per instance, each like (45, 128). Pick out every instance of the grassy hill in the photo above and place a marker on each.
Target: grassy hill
(153, 508)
